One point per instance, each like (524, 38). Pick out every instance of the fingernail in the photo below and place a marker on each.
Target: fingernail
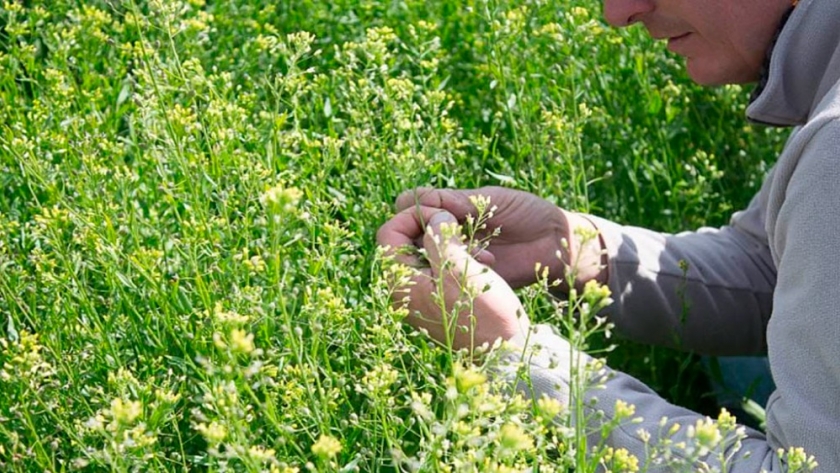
(441, 217)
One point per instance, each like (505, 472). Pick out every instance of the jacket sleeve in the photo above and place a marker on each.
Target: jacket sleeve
(803, 336)
(708, 291)
(549, 367)
(804, 333)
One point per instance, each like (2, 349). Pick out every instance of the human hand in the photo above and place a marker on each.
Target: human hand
(532, 231)
(458, 300)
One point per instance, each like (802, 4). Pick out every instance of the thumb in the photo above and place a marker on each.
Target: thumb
(437, 221)
(442, 239)
(444, 245)
(498, 311)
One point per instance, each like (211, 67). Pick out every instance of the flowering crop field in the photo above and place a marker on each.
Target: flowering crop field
(189, 192)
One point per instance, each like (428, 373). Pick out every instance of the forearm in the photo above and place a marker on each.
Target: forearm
(709, 291)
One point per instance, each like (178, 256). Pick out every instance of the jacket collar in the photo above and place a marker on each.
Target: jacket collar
(804, 66)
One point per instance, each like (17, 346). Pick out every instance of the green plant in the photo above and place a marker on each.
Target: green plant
(189, 192)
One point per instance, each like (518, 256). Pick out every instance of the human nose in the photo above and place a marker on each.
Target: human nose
(620, 13)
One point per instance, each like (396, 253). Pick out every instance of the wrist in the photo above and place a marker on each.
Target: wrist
(584, 252)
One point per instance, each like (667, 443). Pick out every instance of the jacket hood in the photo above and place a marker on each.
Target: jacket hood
(804, 66)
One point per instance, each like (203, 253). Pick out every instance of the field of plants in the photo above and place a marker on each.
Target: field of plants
(190, 189)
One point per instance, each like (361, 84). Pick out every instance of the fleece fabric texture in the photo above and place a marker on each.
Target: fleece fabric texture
(767, 283)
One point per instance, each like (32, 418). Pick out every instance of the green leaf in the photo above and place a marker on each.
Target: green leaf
(327, 108)
(509, 180)
(11, 331)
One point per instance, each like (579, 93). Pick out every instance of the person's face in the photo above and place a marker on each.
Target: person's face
(723, 41)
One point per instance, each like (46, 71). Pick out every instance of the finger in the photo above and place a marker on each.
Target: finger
(485, 257)
(405, 230)
(454, 252)
(456, 202)
(405, 227)
(465, 275)
(416, 291)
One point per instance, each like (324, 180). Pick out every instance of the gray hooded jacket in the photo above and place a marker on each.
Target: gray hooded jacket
(767, 283)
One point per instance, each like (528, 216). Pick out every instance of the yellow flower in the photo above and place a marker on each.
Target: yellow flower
(261, 454)
(285, 469)
(466, 379)
(12, 7)
(798, 460)
(549, 408)
(241, 341)
(285, 199)
(622, 460)
(326, 447)
(706, 433)
(580, 12)
(213, 433)
(725, 420)
(379, 379)
(125, 412)
(623, 410)
(513, 439)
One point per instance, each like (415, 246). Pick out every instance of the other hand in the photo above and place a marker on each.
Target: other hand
(437, 298)
(531, 231)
